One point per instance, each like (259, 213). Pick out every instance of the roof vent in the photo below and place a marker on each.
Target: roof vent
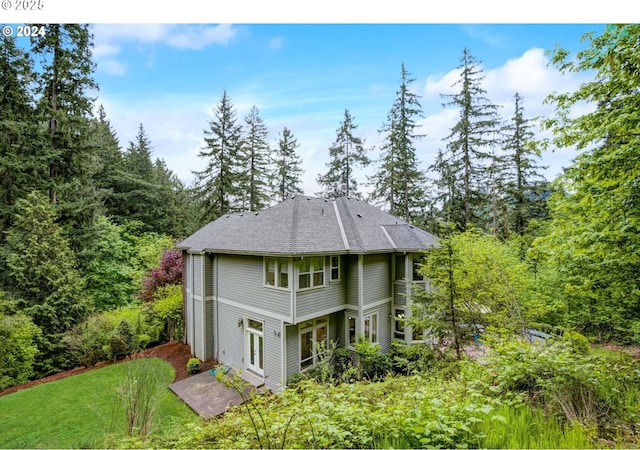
(359, 215)
(256, 213)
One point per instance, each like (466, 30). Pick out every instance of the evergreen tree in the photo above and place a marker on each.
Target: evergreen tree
(64, 84)
(21, 165)
(255, 150)
(346, 153)
(217, 186)
(399, 183)
(525, 186)
(44, 279)
(470, 142)
(109, 174)
(287, 179)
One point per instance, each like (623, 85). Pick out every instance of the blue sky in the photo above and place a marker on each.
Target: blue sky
(171, 77)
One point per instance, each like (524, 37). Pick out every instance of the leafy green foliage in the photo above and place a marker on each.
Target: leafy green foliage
(17, 345)
(476, 281)
(166, 312)
(45, 282)
(110, 335)
(593, 239)
(594, 390)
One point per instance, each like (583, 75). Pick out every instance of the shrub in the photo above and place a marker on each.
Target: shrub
(373, 365)
(18, 335)
(167, 312)
(193, 365)
(575, 386)
(577, 342)
(168, 272)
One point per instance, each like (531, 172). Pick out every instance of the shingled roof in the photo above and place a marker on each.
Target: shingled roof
(309, 225)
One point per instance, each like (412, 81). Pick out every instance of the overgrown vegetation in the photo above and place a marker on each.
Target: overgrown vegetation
(522, 395)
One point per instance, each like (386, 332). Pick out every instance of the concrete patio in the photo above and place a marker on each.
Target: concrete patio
(209, 397)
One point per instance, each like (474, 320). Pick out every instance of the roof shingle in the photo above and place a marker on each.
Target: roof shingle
(309, 225)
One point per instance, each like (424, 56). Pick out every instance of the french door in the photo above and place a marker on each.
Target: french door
(254, 359)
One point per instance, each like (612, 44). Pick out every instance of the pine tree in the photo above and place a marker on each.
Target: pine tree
(45, 280)
(525, 185)
(288, 168)
(64, 106)
(469, 144)
(20, 136)
(217, 185)
(346, 153)
(399, 183)
(108, 176)
(255, 148)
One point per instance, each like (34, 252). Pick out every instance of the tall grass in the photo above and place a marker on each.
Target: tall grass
(524, 427)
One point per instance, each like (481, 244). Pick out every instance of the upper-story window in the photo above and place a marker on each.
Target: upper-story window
(276, 272)
(335, 268)
(418, 261)
(311, 272)
(400, 272)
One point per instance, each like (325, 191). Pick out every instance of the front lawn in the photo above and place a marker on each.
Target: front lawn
(82, 410)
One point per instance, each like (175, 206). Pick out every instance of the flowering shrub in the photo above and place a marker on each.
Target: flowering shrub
(168, 272)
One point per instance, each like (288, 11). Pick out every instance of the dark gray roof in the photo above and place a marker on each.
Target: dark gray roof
(309, 225)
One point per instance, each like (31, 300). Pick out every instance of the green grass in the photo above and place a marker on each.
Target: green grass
(83, 410)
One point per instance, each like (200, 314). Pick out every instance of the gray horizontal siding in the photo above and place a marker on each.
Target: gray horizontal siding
(241, 279)
(377, 278)
(351, 276)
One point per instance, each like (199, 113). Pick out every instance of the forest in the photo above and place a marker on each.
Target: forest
(87, 226)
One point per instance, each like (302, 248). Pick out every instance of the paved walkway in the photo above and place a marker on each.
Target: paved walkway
(207, 396)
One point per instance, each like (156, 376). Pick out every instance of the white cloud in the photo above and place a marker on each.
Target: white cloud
(108, 40)
(276, 43)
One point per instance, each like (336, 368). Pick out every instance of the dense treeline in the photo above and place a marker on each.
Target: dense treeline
(83, 221)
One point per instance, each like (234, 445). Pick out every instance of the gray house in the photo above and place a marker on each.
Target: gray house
(261, 287)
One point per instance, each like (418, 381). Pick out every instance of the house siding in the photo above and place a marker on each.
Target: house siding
(377, 278)
(313, 302)
(241, 279)
(351, 278)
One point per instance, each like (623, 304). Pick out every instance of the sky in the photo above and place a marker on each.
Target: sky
(170, 76)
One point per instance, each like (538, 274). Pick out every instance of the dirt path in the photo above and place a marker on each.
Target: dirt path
(175, 353)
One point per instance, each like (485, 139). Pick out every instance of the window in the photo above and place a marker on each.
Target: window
(311, 272)
(371, 328)
(276, 272)
(312, 332)
(400, 261)
(398, 331)
(351, 330)
(335, 268)
(418, 261)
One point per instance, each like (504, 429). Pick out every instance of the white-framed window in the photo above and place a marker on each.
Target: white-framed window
(371, 328)
(311, 272)
(312, 332)
(398, 330)
(400, 263)
(276, 272)
(351, 330)
(418, 261)
(335, 268)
